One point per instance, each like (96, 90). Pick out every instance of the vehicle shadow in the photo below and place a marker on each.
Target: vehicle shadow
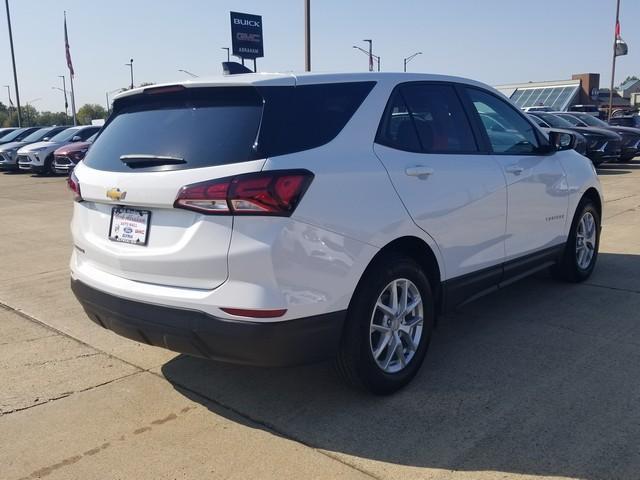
(541, 378)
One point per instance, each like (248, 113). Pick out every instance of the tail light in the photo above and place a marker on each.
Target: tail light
(74, 186)
(275, 193)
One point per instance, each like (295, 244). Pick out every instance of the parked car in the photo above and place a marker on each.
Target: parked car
(580, 140)
(38, 157)
(603, 145)
(537, 108)
(630, 136)
(18, 134)
(196, 205)
(6, 131)
(9, 151)
(586, 109)
(67, 157)
(626, 121)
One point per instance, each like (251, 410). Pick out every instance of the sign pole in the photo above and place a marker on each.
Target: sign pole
(613, 65)
(307, 35)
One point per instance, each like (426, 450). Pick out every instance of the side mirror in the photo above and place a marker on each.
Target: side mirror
(45, 139)
(76, 139)
(562, 140)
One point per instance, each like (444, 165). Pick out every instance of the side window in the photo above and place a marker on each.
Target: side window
(397, 129)
(439, 118)
(508, 131)
(86, 133)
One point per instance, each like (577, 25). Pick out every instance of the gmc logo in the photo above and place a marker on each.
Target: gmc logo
(248, 37)
(246, 23)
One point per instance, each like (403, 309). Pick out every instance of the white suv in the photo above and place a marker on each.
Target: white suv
(281, 219)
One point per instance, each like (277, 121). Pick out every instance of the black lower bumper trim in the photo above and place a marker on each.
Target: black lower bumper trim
(274, 344)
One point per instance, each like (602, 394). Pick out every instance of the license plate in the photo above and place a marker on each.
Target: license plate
(129, 226)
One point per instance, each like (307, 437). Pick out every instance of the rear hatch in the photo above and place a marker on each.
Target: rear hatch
(155, 143)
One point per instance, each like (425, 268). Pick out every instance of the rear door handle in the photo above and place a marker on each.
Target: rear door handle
(515, 169)
(418, 171)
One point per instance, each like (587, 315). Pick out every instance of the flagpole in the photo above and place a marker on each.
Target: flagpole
(613, 65)
(73, 101)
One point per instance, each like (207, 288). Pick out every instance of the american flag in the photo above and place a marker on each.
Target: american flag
(66, 46)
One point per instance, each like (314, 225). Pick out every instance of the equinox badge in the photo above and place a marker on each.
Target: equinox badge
(115, 194)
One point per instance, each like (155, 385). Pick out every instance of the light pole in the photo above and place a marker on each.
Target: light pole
(65, 102)
(188, 73)
(28, 113)
(13, 61)
(409, 58)
(109, 93)
(9, 95)
(64, 89)
(307, 35)
(228, 54)
(375, 57)
(130, 65)
(370, 42)
(619, 48)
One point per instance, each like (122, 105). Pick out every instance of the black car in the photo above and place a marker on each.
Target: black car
(626, 121)
(603, 145)
(630, 136)
(581, 141)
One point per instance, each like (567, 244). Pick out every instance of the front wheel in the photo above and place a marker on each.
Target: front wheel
(389, 326)
(581, 250)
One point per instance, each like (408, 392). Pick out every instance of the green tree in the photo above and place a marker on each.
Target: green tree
(53, 118)
(90, 111)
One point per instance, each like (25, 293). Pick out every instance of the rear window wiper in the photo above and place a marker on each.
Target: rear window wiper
(141, 160)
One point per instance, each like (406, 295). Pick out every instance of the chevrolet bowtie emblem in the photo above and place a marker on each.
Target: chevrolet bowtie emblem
(115, 194)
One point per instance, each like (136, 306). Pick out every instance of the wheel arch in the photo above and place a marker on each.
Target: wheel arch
(420, 251)
(593, 195)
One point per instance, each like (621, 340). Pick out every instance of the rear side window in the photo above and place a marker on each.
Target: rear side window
(427, 118)
(222, 125)
(307, 116)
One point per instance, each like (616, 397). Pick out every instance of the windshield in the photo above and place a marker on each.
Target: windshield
(37, 135)
(65, 135)
(593, 121)
(16, 135)
(555, 120)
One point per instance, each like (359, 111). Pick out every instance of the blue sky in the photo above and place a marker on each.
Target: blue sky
(495, 41)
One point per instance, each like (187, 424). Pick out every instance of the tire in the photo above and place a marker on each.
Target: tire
(572, 267)
(47, 169)
(355, 361)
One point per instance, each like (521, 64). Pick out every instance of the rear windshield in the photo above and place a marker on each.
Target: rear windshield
(214, 126)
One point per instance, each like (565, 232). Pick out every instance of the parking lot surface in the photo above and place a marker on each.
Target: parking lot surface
(540, 380)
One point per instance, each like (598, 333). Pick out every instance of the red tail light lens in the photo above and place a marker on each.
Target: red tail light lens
(74, 186)
(266, 193)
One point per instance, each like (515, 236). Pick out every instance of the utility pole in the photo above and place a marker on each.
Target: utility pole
(13, 60)
(307, 35)
(370, 54)
(130, 65)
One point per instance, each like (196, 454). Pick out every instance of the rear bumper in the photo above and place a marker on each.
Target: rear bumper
(273, 344)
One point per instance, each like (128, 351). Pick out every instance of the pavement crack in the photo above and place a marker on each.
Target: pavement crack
(619, 289)
(60, 360)
(28, 340)
(67, 394)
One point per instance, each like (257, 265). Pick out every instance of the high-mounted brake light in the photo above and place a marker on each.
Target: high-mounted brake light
(167, 89)
(74, 186)
(275, 193)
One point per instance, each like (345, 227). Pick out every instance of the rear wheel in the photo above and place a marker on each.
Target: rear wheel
(581, 250)
(389, 326)
(48, 169)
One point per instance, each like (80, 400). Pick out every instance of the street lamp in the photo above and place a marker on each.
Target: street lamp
(28, 113)
(8, 94)
(370, 55)
(109, 93)
(188, 73)
(370, 42)
(130, 65)
(619, 48)
(228, 54)
(409, 58)
(64, 89)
